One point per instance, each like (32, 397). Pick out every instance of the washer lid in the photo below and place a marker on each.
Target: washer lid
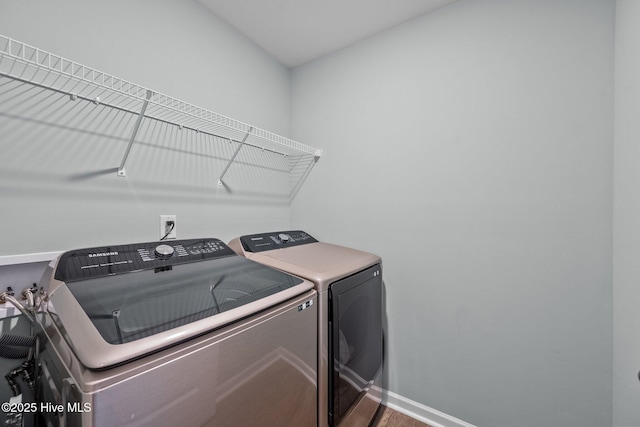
(111, 318)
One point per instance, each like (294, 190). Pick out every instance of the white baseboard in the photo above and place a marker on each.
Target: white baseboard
(421, 412)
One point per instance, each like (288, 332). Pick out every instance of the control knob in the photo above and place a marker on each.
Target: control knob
(284, 237)
(164, 251)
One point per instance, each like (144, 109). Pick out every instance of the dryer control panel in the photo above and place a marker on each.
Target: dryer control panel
(275, 240)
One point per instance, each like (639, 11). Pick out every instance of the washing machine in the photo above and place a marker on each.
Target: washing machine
(181, 333)
(350, 337)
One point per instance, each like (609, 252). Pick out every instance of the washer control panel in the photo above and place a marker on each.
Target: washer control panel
(89, 263)
(275, 240)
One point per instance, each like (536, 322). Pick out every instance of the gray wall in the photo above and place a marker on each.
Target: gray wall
(626, 249)
(472, 149)
(58, 188)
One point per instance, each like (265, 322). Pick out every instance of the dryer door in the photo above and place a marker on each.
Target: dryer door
(355, 338)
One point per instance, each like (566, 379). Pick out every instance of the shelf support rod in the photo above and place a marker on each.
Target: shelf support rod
(304, 176)
(234, 155)
(121, 171)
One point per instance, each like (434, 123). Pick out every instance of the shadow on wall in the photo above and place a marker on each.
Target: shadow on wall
(54, 146)
(104, 186)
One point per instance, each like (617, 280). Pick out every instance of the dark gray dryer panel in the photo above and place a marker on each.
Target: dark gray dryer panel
(355, 337)
(275, 240)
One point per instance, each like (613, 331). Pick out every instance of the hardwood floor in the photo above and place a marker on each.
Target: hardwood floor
(387, 417)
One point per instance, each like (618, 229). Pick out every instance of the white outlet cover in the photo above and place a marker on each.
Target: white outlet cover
(163, 227)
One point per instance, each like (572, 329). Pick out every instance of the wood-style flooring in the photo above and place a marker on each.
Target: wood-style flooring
(387, 417)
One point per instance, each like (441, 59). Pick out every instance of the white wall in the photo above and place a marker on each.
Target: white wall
(626, 214)
(472, 149)
(58, 188)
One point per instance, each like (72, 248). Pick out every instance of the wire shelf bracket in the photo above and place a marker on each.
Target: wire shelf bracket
(121, 170)
(233, 157)
(306, 173)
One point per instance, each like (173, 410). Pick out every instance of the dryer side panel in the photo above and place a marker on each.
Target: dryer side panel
(355, 342)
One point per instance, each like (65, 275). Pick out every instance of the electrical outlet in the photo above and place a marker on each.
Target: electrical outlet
(168, 227)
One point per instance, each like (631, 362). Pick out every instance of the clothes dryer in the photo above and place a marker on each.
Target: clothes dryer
(350, 337)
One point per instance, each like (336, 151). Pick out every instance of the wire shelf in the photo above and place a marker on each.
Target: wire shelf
(29, 65)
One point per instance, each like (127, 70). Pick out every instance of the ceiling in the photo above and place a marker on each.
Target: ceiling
(298, 31)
